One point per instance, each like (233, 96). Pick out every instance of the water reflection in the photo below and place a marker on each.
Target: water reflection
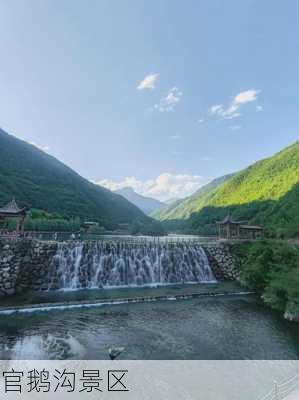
(208, 328)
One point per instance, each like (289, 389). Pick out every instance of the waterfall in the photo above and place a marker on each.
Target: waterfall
(104, 264)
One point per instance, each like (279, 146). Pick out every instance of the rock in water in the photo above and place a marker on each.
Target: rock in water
(114, 352)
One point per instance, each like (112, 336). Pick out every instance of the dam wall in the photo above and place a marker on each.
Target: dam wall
(28, 264)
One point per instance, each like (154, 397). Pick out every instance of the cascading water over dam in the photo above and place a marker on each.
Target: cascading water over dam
(101, 264)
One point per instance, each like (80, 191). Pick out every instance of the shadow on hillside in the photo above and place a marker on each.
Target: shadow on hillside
(279, 217)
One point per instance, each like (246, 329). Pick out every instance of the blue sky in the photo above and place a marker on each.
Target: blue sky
(162, 95)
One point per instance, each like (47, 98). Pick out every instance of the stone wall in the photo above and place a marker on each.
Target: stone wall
(222, 261)
(24, 265)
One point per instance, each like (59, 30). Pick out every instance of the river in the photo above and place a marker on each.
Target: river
(207, 327)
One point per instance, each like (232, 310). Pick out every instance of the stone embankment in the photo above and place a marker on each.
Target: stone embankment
(24, 265)
(222, 261)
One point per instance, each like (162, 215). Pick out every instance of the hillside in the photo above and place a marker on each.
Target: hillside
(266, 193)
(146, 204)
(38, 180)
(182, 209)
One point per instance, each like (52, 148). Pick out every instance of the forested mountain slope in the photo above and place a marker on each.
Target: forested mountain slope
(145, 203)
(266, 193)
(182, 209)
(38, 180)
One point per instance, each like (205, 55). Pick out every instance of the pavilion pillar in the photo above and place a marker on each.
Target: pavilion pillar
(18, 225)
(22, 222)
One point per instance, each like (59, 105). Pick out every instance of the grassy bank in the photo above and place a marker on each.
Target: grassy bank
(271, 268)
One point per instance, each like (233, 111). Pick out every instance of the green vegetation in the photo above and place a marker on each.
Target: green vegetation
(152, 229)
(146, 204)
(39, 181)
(40, 220)
(182, 209)
(265, 193)
(272, 269)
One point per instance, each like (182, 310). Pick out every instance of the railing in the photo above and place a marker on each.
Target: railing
(77, 236)
(12, 235)
(147, 239)
(281, 390)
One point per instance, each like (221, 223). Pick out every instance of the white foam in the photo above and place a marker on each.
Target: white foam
(68, 306)
(43, 346)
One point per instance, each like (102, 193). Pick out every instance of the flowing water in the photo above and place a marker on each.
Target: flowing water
(226, 327)
(219, 327)
(105, 264)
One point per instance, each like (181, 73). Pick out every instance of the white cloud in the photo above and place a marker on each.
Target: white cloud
(164, 187)
(232, 111)
(246, 97)
(216, 109)
(235, 127)
(176, 136)
(259, 108)
(169, 102)
(200, 121)
(234, 115)
(40, 147)
(148, 82)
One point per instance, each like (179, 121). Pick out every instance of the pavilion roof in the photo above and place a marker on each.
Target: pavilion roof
(229, 220)
(253, 227)
(12, 208)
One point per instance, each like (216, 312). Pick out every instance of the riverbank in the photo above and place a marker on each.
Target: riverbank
(271, 268)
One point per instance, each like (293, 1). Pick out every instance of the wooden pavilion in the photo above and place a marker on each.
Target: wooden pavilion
(12, 211)
(231, 229)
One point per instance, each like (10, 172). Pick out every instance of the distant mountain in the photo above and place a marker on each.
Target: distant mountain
(38, 180)
(171, 201)
(265, 193)
(146, 204)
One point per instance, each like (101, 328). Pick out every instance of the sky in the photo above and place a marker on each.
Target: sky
(162, 96)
